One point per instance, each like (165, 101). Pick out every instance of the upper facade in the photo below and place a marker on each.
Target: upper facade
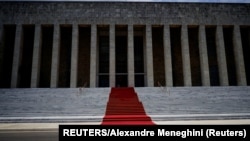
(124, 13)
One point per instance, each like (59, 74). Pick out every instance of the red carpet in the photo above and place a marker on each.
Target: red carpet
(124, 108)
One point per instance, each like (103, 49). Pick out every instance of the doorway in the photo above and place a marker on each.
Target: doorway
(121, 61)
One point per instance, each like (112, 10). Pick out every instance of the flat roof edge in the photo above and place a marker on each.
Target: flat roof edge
(151, 1)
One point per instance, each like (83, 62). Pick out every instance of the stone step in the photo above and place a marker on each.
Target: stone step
(233, 101)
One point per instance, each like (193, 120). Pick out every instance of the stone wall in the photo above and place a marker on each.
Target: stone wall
(124, 13)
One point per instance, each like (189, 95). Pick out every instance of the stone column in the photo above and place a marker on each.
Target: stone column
(221, 57)
(167, 56)
(239, 60)
(112, 55)
(74, 57)
(55, 57)
(131, 73)
(93, 50)
(205, 77)
(16, 56)
(185, 56)
(36, 57)
(149, 57)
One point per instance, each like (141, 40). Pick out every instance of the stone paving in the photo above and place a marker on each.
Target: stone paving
(89, 104)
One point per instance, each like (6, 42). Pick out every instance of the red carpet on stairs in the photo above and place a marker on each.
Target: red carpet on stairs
(124, 108)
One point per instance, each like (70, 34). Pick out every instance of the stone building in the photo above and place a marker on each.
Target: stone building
(120, 44)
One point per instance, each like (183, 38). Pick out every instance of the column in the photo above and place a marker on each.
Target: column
(74, 57)
(221, 57)
(93, 49)
(36, 57)
(16, 56)
(131, 73)
(185, 56)
(167, 56)
(239, 60)
(149, 57)
(55, 57)
(112, 55)
(205, 77)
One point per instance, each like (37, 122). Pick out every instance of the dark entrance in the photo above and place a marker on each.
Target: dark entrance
(121, 81)
(121, 61)
(139, 61)
(103, 61)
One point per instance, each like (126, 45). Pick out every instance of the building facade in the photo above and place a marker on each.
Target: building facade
(121, 44)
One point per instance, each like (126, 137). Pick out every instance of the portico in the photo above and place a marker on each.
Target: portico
(112, 52)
